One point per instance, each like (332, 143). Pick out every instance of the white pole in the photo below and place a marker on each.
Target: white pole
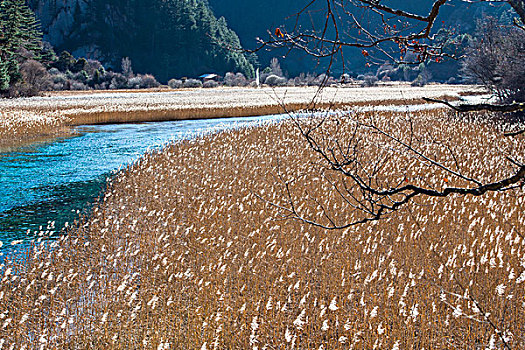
(257, 78)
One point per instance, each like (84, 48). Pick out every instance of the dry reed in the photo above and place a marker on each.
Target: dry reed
(182, 254)
(23, 120)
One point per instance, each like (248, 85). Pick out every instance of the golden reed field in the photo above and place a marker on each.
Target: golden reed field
(185, 251)
(25, 120)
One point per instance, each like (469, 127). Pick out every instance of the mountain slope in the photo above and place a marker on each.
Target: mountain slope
(251, 19)
(173, 38)
(168, 38)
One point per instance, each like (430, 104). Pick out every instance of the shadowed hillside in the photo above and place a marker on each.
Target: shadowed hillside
(166, 38)
(252, 19)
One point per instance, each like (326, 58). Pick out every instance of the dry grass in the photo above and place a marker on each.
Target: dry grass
(181, 254)
(23, 120)
(18, 127)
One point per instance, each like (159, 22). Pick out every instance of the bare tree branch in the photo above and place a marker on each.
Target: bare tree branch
(463, 108)
(372, 199)
(343, 28)
(519, 7)
(394, 30)
(515, 133)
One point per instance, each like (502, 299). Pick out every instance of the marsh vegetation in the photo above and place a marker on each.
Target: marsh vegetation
(183, 253)
(23, 120)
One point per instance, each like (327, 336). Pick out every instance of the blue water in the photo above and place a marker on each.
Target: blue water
(58, 181)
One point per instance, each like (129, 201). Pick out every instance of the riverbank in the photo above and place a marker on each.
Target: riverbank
(183, 253)
(27, 119)
(50, 181)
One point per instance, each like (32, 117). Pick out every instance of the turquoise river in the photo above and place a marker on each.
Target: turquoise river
(46, 185)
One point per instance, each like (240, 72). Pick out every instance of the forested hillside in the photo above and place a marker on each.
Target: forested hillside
(167, 38)
(251, 19)
(174, 38)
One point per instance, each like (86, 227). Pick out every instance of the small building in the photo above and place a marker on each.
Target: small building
(208, 77)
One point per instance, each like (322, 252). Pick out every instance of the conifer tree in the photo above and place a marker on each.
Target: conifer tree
(169, 38)
(20, 37)
(30, 30)
(4, 76)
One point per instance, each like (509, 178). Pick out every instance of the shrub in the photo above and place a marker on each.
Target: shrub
(175, 83)
(148, 81)
(80, 65)
(192, 83)
(312, 80)
(77, 85)
(118, 81)
(274, 80)
(397, 73)
(58, 78)
(423, 78)
(300, 80)
(210, 84)
(384, 70)
(35, 78)
(93, 66)
(495, 59)
(369, 80)
(97, 77)
(345, 78)
(235, 79)
(240, 80)
(81, 76)
(331, 81)
(321, 79)
(65, 61)
(59, 82)
(135, 82)
(419, 81)
(229, 79)
(309, 79)
(265, 73)
(54, 71)
(409, 73)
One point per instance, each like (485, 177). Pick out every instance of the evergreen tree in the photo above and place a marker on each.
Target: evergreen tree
(21, 38)
(31, 36)
(4, 76)
(168, 38)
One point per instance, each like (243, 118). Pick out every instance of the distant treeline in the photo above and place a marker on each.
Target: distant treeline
(166, 38)
(186, 40)
(251, 19)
